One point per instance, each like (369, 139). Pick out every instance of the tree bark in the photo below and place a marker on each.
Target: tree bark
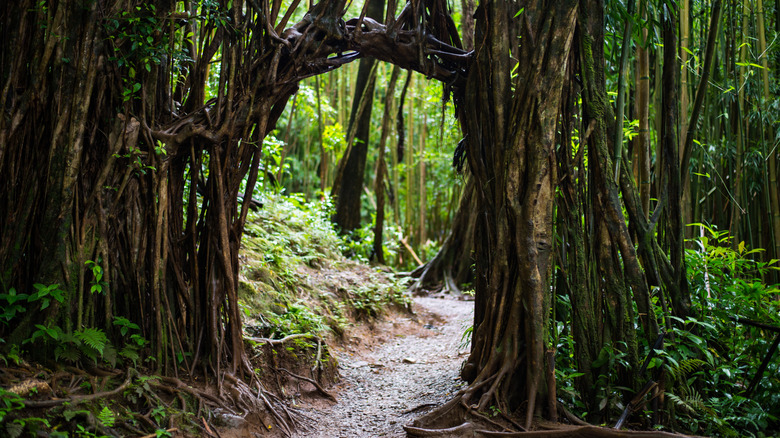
(101, 165)
(348, 186)
(450, 268)
(510, 148)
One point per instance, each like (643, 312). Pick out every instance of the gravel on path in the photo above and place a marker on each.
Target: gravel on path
(414, 370)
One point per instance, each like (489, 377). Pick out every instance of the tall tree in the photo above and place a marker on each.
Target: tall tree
(348, 186)
(510, 122)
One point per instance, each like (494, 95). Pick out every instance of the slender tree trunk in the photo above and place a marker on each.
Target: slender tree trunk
(642, 148)
(774, 196)
(450, 268)
(381, 167)
(736, 202)
(348, 186)
(685, 48)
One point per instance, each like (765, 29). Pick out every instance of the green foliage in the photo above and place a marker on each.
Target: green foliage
(288, 231)
(12, 305)
(709, 358)
(45, 294)
(9, 402)
(286, 241)
(93, 338)
(106, 417)
(297, 318)
(97, 283)
(611, 360)
(371, 300)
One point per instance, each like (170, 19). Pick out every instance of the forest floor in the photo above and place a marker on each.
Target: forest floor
(393, 371)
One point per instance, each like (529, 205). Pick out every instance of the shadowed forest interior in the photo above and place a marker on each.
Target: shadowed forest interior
(200, 200)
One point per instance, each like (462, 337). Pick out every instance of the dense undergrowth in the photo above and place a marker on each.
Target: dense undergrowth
(295, 284)
(296, 280)
(708, 364)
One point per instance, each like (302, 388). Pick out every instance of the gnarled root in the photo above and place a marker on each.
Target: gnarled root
(457, 431)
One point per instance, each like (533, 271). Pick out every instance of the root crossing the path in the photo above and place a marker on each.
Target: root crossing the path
(412, 368)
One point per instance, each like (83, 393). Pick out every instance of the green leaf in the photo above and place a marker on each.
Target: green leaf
(94, 338)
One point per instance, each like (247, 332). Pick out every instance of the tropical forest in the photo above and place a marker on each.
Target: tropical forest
(389, 218)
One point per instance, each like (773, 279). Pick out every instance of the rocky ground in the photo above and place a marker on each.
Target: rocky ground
(393, 372)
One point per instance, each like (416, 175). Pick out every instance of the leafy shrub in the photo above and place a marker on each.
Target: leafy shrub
(710, 358)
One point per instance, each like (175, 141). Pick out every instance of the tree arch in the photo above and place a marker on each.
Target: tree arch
(120, 169)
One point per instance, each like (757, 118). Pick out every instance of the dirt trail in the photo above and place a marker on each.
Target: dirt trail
(401, 369)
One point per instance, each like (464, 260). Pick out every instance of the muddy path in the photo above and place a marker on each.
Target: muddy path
(394, 372)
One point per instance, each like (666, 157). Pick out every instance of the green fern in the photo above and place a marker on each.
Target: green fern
(67, 348)
(130, 352)
(93, 338)
(690, 401)
(106, 417)
(682, 369)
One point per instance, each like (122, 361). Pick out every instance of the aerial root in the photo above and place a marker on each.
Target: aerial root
(172, 385)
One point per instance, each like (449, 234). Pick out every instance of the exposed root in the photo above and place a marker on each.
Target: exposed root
(280, 341)
(152, 435)
(582, 432)
(81, 398)
(280, 421)
(571, 417)
(457, 430)
(418, 407)
(313, 382)
(172, 384)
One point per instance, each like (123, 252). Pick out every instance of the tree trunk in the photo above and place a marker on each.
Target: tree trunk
(774, 192)
(348, 186)
(381, 168)
(510, 148)
(100, 165)
(450, 268)
(642, 148)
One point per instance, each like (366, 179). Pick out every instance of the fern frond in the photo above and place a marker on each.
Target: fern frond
(68, 352)
(106, 417)
(130, 352)
(94, 338)
(685, 367)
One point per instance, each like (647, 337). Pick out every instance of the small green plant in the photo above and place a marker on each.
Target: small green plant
(133, 343)
(97, 283)
(297, 318)
(12, 305)
(106, 417)
(162, 433)
(9, 402)
(45, 294)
